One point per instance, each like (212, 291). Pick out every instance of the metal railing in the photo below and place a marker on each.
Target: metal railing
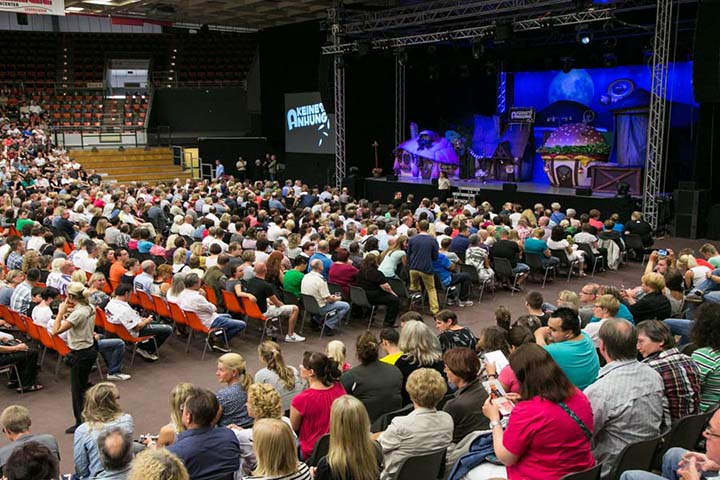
(99, 137)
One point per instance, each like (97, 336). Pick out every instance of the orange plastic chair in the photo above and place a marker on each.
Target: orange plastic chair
(107, 288)
(146, 302)
(134, 298)
(161, 307)
(121, 332)
(253, 312)
(196, 325)
(101, 320)
(6, 315)
(30, 326)
(232, 303)
(211, 295)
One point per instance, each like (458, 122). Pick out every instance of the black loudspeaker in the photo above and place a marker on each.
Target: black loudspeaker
(509, 187)
(690, 208)
(391, 178)
(326, 82)
(22, 18)
(583, 191)
(706, 55)
(434, 182)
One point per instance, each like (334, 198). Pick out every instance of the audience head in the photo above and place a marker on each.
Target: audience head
(15, 419)
(31, 461)
(653, 336)
(493, 338)
(419, 343)
(200, 409)
(606, 306)
(539, 375)
(461, 365)
(351, 453)
(318, 366)
(531, 322)
(519, 335)
(534, 300)
(706, 329)
(178, 395)
(503, 317)
(271, 356)
(569, 299)
(618, 340)
(157, 464)
(653, 283)
(411, 315)
(232, 368)
(101, 404)
(445, 319)
(588, 293)
(426, 387)
(564, 324)
(275, 450)
(263, 401)
(115, 448)
(367, 348)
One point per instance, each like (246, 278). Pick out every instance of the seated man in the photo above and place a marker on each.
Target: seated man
(192, 300)
(24, 358)
(207, 452)
(293, 278)
(314, 284)
(536, 245)
(509, 250)
(445, 269)
(571, 348)
(264, 292)
(15, 421)
(627, 398)
(31, 461)
(119, 311)
(115, 446)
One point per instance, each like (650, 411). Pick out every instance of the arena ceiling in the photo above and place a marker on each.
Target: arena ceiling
(255, 14)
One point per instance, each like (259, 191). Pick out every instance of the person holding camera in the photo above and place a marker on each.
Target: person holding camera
(77, 317)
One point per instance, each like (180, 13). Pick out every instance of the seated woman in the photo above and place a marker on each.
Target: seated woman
(706, 335)
(536, 245)
(680, 374)
(276, 452)
(351, 454)
(548, 434)
(263, 401)
(654, 304)
(376, 384)
(284, 378)
(394, 256)
(178, 395)
(452, 334)
(425, 430)
(479, 258)
(377, 289)
(342, 272)
(421, 349)
(232, 370)
(157, 464)
(101, 411)
(558, 241)
(693, 274)
(310, 410)
(462, 366)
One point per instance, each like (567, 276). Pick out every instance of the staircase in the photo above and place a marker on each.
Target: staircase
(153, 165)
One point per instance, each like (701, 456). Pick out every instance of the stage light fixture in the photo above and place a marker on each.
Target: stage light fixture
(478, 49)
(584, 36)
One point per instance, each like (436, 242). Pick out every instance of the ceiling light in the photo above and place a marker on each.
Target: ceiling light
(74, 9)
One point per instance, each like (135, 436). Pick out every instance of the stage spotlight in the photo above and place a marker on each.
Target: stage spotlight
(584, 36)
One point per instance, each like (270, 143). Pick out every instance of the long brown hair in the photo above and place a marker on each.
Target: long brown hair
(273, 265)
(539, 375)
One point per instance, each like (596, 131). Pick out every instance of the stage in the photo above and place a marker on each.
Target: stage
(527, 194)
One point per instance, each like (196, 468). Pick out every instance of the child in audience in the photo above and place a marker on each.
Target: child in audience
(336, 350)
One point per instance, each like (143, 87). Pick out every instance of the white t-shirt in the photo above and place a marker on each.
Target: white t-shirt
(42, 315)
(121, 313)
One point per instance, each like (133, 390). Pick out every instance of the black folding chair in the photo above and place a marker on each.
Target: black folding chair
(359, 298)
(535, 263)
(686, 433)
(336, 289)
(504, 271)
(400, 288)
(428, 466)
(451, 290)
(312, 308)
(561, 255)
(634, 242)
(635, 456)
(591, 256)
(472, 271)
(589, 474)
(321, 448)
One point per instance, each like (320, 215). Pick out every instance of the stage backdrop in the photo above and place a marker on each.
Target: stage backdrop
(34, 7)
(614, 100)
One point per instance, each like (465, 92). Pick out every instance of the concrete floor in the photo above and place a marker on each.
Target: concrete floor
(145, 396)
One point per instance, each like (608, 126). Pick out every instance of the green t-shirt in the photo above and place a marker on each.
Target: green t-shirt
(292, 281)
(714, 261)
(708, 361)
(579, 360)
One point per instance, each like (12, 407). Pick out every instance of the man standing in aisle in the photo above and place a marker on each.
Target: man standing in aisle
(422, 251)
(219, 170)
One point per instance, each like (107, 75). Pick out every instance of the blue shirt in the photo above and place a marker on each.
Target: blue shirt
(623, 312)
(536, 246)
(441, 266)
(219, 171)
(459, 244)
(233, 400)
(207, 453)
(144, 246)
(422, 250)
(327, 262)
(578, 359)
(557, 217)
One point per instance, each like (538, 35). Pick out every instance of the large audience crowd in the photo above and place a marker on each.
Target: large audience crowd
(552, 392)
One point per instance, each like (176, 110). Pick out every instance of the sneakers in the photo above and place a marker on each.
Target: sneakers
(466, 303)
(118, 377)
(696, 297)
(150, 357)
(294, 338)
(450, 302)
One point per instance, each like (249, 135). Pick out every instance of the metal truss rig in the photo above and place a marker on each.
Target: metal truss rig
(654, 162)
(400, 59)
(474, 32)
(340, 162)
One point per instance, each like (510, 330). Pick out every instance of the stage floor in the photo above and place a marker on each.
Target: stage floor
(527, 194)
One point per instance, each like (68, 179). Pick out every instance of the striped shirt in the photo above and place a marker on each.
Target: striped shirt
(302, 473)
(708, 361)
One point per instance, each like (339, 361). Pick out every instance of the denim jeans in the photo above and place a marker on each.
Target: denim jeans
(670, 465)
(520, 268)
(112, 351)
(231, 326)
(340, 308)
(680, 326)
(160, 331)
(708, 285)
(709, 297)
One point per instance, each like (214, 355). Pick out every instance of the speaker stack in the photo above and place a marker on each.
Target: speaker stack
(690, 207)
(706, 57)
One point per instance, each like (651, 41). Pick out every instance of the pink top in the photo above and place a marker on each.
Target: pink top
(314, 407)
(509, 380)
(597, 224)
(548, 441)
(342, 274)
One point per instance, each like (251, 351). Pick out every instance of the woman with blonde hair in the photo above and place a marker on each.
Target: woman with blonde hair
(232, 370)
(421, 349)
(276, 453)
(529, 216)
(393, 256)
(79, 276)
(101, 411)
(96, 284)
(275, 372)
(179, 259)
(352, 455)
(31, 259)
(693, 274)
(157, 464)
(263, 402)
(178, 395)
(176, 287)
(293, 246)
(336, 350)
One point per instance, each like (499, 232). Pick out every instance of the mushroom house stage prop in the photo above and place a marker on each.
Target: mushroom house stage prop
(425, 155)
(570, 151)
